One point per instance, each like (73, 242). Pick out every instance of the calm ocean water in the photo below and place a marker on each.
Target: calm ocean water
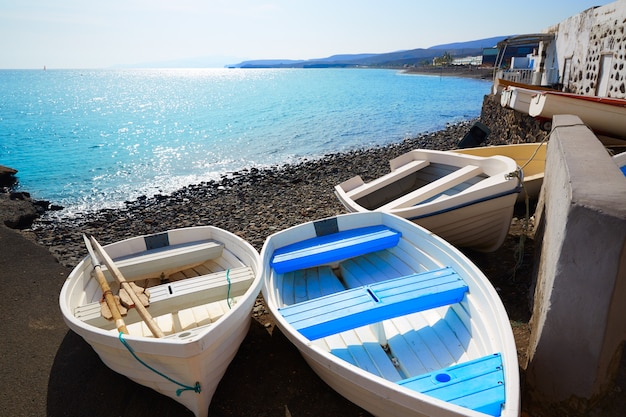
(88, 139)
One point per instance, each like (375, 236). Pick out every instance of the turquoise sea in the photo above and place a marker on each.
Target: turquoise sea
(89, 139)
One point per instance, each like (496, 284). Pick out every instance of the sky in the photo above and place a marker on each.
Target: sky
(107, 33)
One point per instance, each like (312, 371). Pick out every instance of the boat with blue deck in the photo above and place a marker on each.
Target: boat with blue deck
(392, 317)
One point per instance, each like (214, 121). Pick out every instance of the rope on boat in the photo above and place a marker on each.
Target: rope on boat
(228, 292)
(196, 388)
(519, 250)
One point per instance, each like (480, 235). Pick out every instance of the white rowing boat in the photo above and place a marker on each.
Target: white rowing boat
(392, 317)
(468, 200)
(530, 157)
(202, 281)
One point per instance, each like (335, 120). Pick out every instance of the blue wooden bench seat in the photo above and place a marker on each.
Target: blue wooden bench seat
(372, 303)
(333, 247)
(477, 384)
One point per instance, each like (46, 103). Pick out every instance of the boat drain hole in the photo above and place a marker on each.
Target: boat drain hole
(443, 377)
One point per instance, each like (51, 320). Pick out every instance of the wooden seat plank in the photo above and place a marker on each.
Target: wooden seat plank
(378, 183)
(166, 259)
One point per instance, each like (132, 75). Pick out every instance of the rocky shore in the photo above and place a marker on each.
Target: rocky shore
(465, 71)
(252, 203)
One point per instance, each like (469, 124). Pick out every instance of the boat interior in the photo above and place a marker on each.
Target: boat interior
(190, 286)
(420, 343)
(430, 183)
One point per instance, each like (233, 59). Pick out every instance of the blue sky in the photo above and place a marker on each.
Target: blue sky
(100, 34)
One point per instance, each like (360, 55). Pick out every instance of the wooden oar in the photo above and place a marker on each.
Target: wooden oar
(143, 313)
(106, 290)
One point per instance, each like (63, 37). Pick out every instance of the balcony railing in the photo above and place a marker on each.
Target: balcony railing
(524, 76)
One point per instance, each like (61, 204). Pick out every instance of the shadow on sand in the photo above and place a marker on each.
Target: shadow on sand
(267, 378)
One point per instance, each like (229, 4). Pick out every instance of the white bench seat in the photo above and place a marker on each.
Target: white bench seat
(165, 260)
(179, 295)
(434, 188)
(359, 189)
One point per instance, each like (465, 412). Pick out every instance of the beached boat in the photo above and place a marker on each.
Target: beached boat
(606, 116)
(392, 317)
(531, 157)
(468, 200)
(517, 98)
(202, 283)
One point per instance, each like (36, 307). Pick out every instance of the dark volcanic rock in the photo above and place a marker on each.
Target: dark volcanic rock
(7, 176)
(17, 210)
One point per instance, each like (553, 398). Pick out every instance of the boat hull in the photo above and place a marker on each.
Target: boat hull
(482, 225)
(517, 98)
(196, 355)
(603, 115)
(481, 309)
(620, 160)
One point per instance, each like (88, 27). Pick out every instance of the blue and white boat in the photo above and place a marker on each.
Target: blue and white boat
(392, 317)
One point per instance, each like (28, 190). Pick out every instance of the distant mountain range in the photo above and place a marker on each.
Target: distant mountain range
(389, 59)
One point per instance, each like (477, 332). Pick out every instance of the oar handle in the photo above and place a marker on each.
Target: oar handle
(143, 313)
(106, 290)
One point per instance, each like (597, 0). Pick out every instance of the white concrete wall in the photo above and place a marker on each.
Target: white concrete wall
(578, 323)
(585, 38)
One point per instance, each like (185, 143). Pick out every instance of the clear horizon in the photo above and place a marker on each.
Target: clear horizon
(76, 34)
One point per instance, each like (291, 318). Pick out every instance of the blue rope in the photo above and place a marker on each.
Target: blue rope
(228, 292)
(196, 388)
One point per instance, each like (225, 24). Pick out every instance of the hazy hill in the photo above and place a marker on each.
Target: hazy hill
(398, 58)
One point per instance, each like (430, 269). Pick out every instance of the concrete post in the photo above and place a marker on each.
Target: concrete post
(578, 324)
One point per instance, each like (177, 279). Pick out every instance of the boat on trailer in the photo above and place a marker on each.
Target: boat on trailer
(468, 200)
(202, 284)
(392, 317)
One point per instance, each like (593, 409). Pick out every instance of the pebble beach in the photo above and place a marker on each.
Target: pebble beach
(253, 203)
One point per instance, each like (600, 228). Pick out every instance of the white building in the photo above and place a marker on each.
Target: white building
(584, 54)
